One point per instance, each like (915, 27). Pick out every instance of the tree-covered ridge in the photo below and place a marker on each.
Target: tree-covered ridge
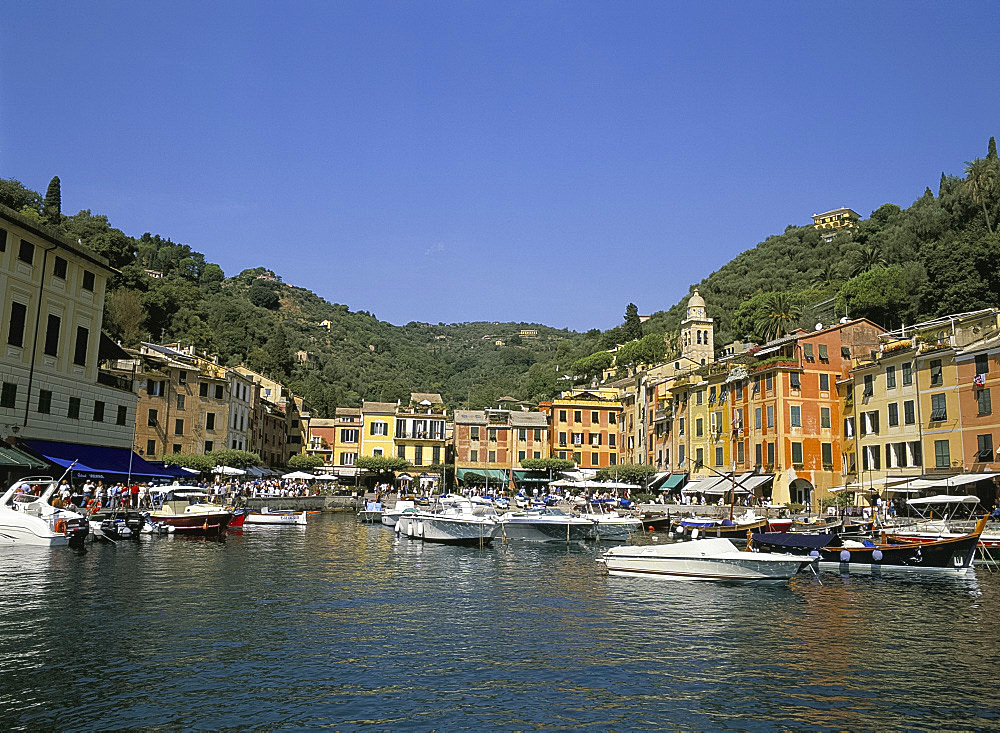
(898, 266)
(168, 292)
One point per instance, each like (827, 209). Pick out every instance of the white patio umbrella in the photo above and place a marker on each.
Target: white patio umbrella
(299, 476)
(228, 471)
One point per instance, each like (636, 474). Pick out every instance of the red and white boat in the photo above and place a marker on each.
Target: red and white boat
(187, 509)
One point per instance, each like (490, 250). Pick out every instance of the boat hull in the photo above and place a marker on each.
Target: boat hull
(214, 523)
(277, 520)
(458, 532)
(617, 529)
(952, 555)
(549, 531)
(37, 537)
(728, 569)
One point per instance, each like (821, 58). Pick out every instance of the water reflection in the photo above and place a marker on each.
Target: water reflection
(347, 625)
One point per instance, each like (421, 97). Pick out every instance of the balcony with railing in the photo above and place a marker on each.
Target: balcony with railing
(115, 379)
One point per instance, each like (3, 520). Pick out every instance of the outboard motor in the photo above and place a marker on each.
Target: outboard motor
(134, 521)
(76, 530)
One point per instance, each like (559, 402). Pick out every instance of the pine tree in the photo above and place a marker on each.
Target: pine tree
(52, 208)
(633, 326)
(991, 152)
(942, 184)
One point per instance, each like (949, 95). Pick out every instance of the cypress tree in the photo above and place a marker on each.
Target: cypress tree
(991, 152)
(942, 184)
(52, 208)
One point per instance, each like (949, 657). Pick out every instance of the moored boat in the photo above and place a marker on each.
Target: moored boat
(391, 516)
(372, 513)
(713, 559)
(276, 517)
(611, 525)
(954, 555)
(186, 510)
(456, 520)
(943, 517)
(27, 516)
(547, 524)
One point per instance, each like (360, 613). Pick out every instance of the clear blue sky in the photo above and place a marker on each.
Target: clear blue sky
(458, 161)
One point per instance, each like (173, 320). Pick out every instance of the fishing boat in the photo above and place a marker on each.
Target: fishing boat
(611, 524)
(713, 559)
(727, 528)
(372, 513)
(27, 516)
(186, 509)
(943, 516)
(277, 517)
(954, 555)
(547, 524)
(456, 520)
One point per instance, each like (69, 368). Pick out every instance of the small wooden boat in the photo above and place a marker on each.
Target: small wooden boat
(186, 510)
(239, 518)
(278, 517)
(954, 554)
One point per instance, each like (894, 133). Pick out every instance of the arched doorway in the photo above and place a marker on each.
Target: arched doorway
(800, 491)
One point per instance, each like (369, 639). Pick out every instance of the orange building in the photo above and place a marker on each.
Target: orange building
(787, 411)
(978, 372)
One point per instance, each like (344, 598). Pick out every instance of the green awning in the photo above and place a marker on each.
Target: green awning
(531, 477)
(673, 481)
(11, 457)
(493, 474)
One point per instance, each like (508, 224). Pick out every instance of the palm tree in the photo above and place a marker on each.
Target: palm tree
(983, 182)
(774, 320)
(868, 258)
(826, 276)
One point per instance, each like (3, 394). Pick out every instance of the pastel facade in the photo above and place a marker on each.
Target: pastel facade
(60, 379)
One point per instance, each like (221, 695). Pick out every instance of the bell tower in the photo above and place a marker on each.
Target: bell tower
(697, 332)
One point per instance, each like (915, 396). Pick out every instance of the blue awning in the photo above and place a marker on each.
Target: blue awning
(97, 461)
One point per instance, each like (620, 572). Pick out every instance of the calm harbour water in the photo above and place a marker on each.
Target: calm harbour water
(346, 626)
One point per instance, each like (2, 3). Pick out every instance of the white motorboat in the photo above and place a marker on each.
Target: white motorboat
(391, 516)
(709, 559)
(27, 516)
(372, 513)
(547, 524)
(611, 524)
(456, 520)
(276, 517)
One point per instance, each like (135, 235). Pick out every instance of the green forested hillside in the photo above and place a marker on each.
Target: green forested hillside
(255, 318)
(940, 255)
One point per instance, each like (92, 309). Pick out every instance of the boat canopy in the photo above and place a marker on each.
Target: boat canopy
(943, 499)
(934, 482)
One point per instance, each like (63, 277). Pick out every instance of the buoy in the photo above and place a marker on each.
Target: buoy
(61, 526)
(694, 533)
(845, 556)
(651, 528)
(877, 555)
(814, 554)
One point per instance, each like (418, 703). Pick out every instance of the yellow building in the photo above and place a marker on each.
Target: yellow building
(375, 437)
(836, 218)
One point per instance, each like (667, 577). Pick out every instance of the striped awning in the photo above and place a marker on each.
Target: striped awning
(11, 457)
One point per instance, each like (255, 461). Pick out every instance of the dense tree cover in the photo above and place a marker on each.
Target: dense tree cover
(303, 462)
(938, 256)
(382, 465)
(941, 253)
(629, 473)
(206, 462)
(547, 464)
